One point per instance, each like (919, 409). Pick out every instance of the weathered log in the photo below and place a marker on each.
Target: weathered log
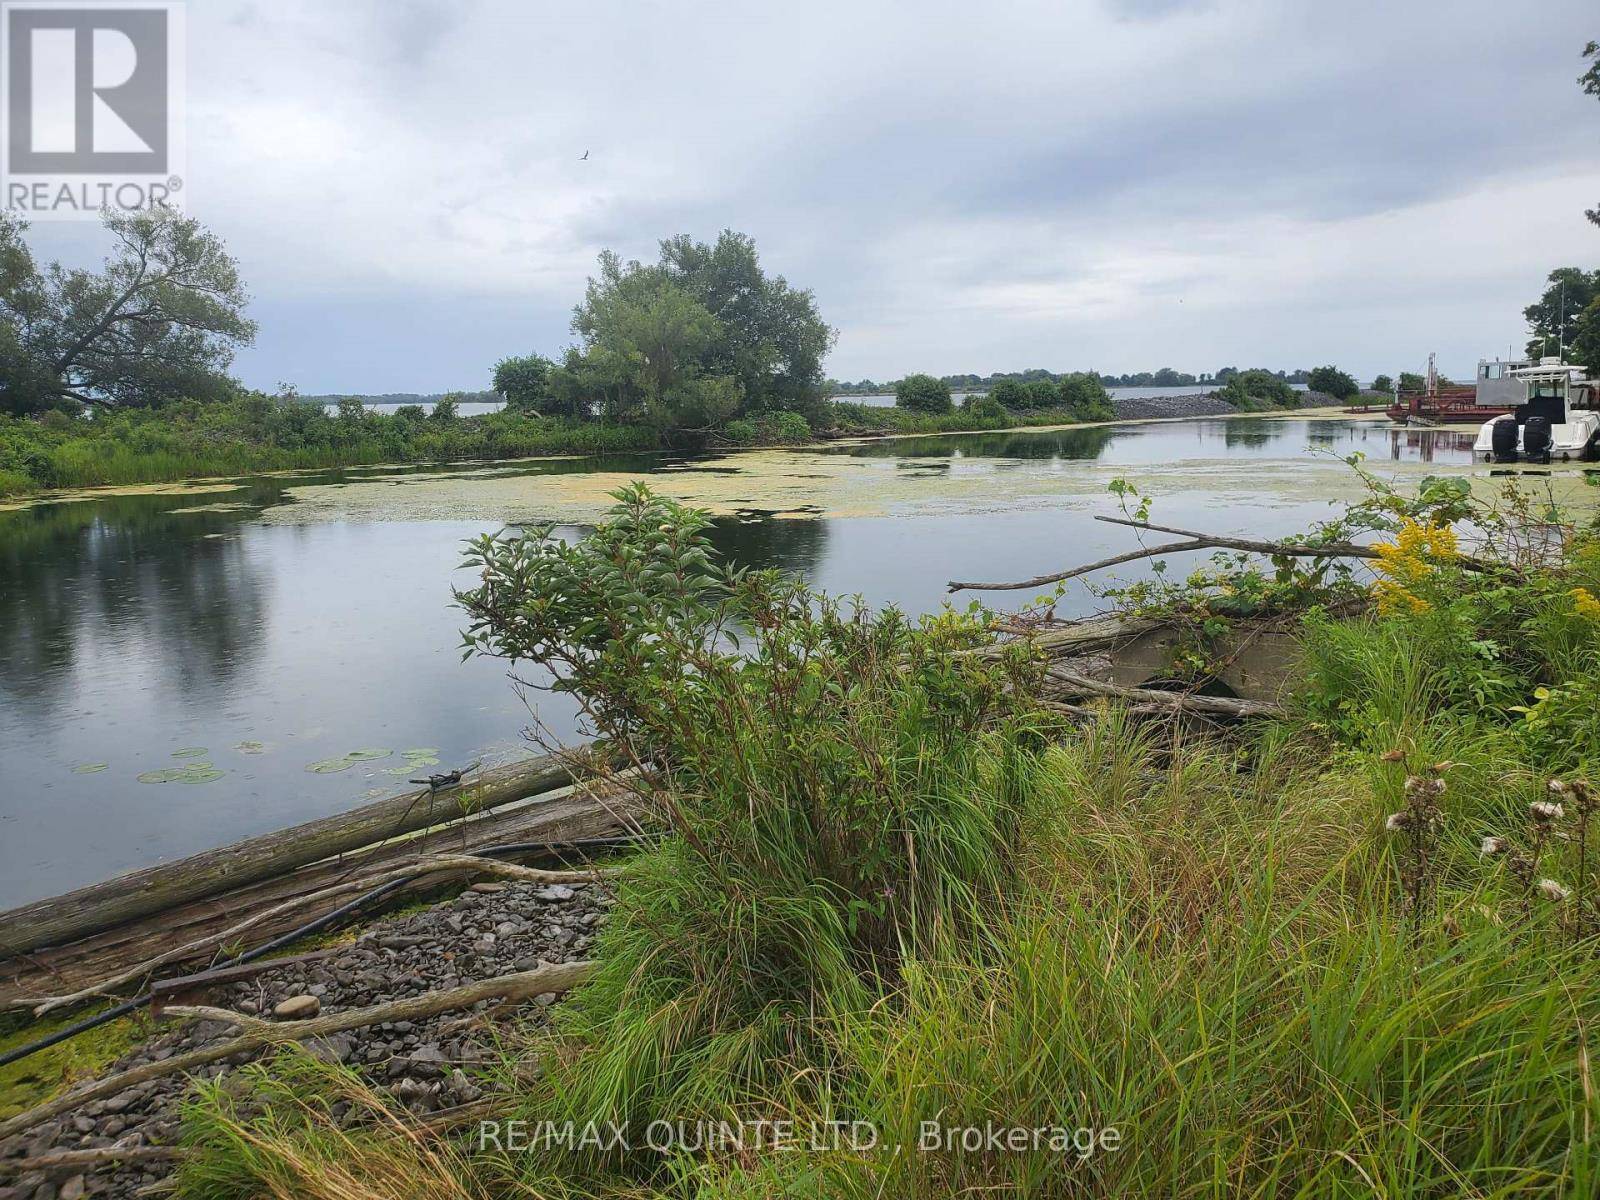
(431, 865)
(152, 889)
(1079, 684)
(557, 977)
(1079, 637)
(190, 933)
(62, 1162)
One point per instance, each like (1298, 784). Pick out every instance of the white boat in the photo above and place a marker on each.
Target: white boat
(1554, 419)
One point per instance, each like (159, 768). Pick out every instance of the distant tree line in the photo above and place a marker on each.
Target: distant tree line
(1164, 377)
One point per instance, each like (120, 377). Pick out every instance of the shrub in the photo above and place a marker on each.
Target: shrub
(1257, 391)
(923, 393)
(1331, 381)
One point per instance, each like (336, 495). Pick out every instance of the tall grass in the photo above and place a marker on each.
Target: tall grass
(900, 898)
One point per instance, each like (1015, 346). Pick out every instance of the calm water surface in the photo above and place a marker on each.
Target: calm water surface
(135, 627)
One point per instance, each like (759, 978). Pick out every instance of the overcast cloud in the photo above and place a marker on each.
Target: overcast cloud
(1117, 184)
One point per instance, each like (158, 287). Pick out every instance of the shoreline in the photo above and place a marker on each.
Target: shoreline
(203, 484)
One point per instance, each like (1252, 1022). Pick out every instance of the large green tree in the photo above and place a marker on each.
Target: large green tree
(1554, 318)
(772, 339)
(161, 319)
(655, 346)
(697, 338)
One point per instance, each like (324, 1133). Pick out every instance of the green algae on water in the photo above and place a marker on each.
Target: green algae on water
(89, 768)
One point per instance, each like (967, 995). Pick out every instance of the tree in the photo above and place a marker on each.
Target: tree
(1553, 318)
(524, 382)
(695, 339)
(922, 393)
(1382, 383)
(1586, 341)
(160, 320)
(1412, 384)
(771, 337)
(1333, 382)
(446, 410)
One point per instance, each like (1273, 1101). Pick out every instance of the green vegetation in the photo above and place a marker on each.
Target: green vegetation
(922, 394)
(1566, 318)
(1333, 382)
(1258, 391)
(186, 439)
(1347, 952)
(701, 337)
(161, 319)
(1382, 383)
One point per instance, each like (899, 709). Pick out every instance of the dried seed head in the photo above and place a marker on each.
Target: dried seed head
(1439, 768)
(1490, 847)
(1546, 811)
(1551, 890)
(1451, 925)
(1392, 756)
(1398, 821)
(1558, 787)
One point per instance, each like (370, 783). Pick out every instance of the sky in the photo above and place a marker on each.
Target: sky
(1108, 184)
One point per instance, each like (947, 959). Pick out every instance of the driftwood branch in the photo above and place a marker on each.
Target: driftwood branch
(1080, 684)
(1043, 580)
(559, 977)
(470, 863)
(1209, 541)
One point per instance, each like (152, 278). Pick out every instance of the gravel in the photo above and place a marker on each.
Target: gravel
(1195, 404)
(490, 929)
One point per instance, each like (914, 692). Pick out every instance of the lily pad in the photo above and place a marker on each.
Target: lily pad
(329, 766)
(415, 760)
(190, 752)
(192, 772)
(89, 768)
(251, 747)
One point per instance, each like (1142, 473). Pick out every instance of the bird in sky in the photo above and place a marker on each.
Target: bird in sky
(585, 157)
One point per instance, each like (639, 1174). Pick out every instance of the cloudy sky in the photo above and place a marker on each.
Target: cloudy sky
(1116, 184)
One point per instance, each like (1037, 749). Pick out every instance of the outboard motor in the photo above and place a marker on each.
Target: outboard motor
(1503, 440)
(1536, 440)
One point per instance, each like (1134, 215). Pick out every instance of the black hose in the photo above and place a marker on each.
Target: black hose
(314, 926)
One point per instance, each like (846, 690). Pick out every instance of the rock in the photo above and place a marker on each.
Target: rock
(335, 1048)
(122, 1101)
(297, 1008)
(72, 1189)
(487, 889)
(556, 891)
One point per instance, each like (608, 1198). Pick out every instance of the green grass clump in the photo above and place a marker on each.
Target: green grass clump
(40, 1076)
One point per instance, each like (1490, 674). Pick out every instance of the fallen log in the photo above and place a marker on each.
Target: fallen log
(62, 1162)
(259, 1034)
(193, 932)
(1079, 684)
(431, 865)
(152, 889)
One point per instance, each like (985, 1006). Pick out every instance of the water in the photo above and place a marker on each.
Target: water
(311, 615)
